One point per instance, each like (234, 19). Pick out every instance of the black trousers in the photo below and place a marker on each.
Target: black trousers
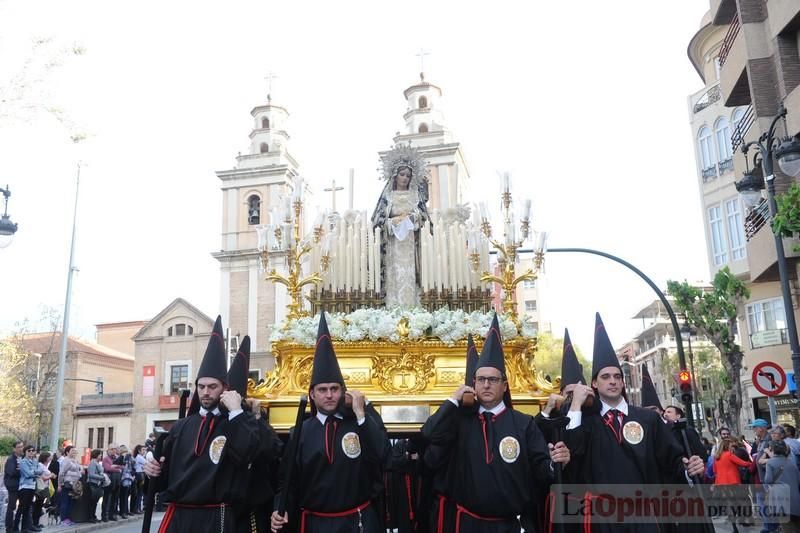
(25, 502)
(97, 491)
(110, 501)
(124, 494)
(12, 522)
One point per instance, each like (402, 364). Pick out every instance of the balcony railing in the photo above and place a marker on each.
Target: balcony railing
(742, 127)
(772, 337)
(725, 166)
(711, 96)
(730, 37)
(756, 219)
(709, 173)
(168, 401)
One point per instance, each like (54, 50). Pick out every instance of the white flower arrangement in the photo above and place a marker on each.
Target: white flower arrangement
(449, 326)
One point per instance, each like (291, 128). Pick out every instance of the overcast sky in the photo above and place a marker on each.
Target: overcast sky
(585, 103)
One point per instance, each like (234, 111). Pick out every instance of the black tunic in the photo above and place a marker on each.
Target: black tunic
(497, 464)
(253, 506)
(605, 460)
(204, 472)
(342, 479)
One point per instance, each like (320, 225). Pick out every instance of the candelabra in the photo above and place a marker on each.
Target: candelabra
(288, 240)
(507, 250)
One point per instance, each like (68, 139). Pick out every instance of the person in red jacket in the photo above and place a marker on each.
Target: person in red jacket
(727, 463)
(726, 475)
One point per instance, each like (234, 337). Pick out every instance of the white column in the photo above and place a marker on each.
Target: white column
(252, 304)
(444, 186)
(452, 184)
(225, 294)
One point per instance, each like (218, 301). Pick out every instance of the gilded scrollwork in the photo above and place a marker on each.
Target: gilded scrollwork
(407, 373)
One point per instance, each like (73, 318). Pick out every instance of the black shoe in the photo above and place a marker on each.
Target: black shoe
(112, 518)
(105, 519)
(93, 520)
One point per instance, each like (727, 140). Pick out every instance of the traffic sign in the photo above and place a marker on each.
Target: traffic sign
(769, 378)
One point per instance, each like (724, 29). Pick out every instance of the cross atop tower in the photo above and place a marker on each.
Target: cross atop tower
(269, 77)
(332, 189)
(421, 55)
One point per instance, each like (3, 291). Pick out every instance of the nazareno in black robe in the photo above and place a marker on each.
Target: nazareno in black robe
(497, 473)
(198, 476)
(345, 478)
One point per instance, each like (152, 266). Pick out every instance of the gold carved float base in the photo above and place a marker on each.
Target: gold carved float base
(406, 381)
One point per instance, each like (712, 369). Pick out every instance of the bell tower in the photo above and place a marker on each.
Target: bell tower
(249, 305)
(426, 130)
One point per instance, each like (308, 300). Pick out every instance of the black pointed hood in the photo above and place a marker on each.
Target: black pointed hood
(214, 364)
(492, 355)
(326, 367)
(472, 362)
(194, 404)
(238, 373)
(649, 394)
(571, 368)
(603, 355)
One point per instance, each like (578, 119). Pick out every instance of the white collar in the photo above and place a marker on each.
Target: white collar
(496, 410)
(322, 417)
(204, 412)
(622, 407)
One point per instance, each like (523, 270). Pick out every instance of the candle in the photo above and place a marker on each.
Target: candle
(287, 208)
(371, 258)
(526, 213)
(506, 182)
(377, 252)
(484, 212)
(352, 179)
(298, 189)
(541, 244)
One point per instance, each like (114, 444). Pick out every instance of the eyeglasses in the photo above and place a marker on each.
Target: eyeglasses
(494, 380)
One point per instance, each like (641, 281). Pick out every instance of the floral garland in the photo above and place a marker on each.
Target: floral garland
(449, 326)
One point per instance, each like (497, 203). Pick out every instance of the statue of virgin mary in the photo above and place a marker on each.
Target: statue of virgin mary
(401, 213)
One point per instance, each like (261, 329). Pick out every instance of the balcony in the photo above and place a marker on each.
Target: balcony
(168, 401)
(733, 80)
(761, 256)
(770, 337)
(742, 127)
(709, 173)
(725, 165)
(711, 96)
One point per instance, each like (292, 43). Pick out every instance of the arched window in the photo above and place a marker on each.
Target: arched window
(254, 210)
(265, 123)
(423, 128)
(722, 131)
(706, 148)
(738, 115)
(264, 148)
(423, 102)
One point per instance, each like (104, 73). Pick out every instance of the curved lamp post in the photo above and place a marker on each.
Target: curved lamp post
(672, 317)
(787, 152)
(7, 228)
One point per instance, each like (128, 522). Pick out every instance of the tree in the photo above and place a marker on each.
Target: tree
(548, 355)
(713, 313)
(17, 405)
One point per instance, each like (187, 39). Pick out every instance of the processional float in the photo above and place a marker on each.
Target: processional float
(406, 361)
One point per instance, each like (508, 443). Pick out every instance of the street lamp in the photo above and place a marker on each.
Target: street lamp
(686, 332)
(7, 228)
(787, 152)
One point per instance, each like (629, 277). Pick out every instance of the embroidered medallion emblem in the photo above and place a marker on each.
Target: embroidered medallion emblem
(351, 445)
(633, 432)
(509, 449)
(215, 449)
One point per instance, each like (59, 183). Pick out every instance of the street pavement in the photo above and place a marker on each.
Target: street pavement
(129, 525)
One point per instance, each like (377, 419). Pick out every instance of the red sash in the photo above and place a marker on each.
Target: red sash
(171, 511)
(339, 514)
(460, 509)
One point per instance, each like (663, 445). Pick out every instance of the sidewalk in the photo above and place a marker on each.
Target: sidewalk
(86, 526)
